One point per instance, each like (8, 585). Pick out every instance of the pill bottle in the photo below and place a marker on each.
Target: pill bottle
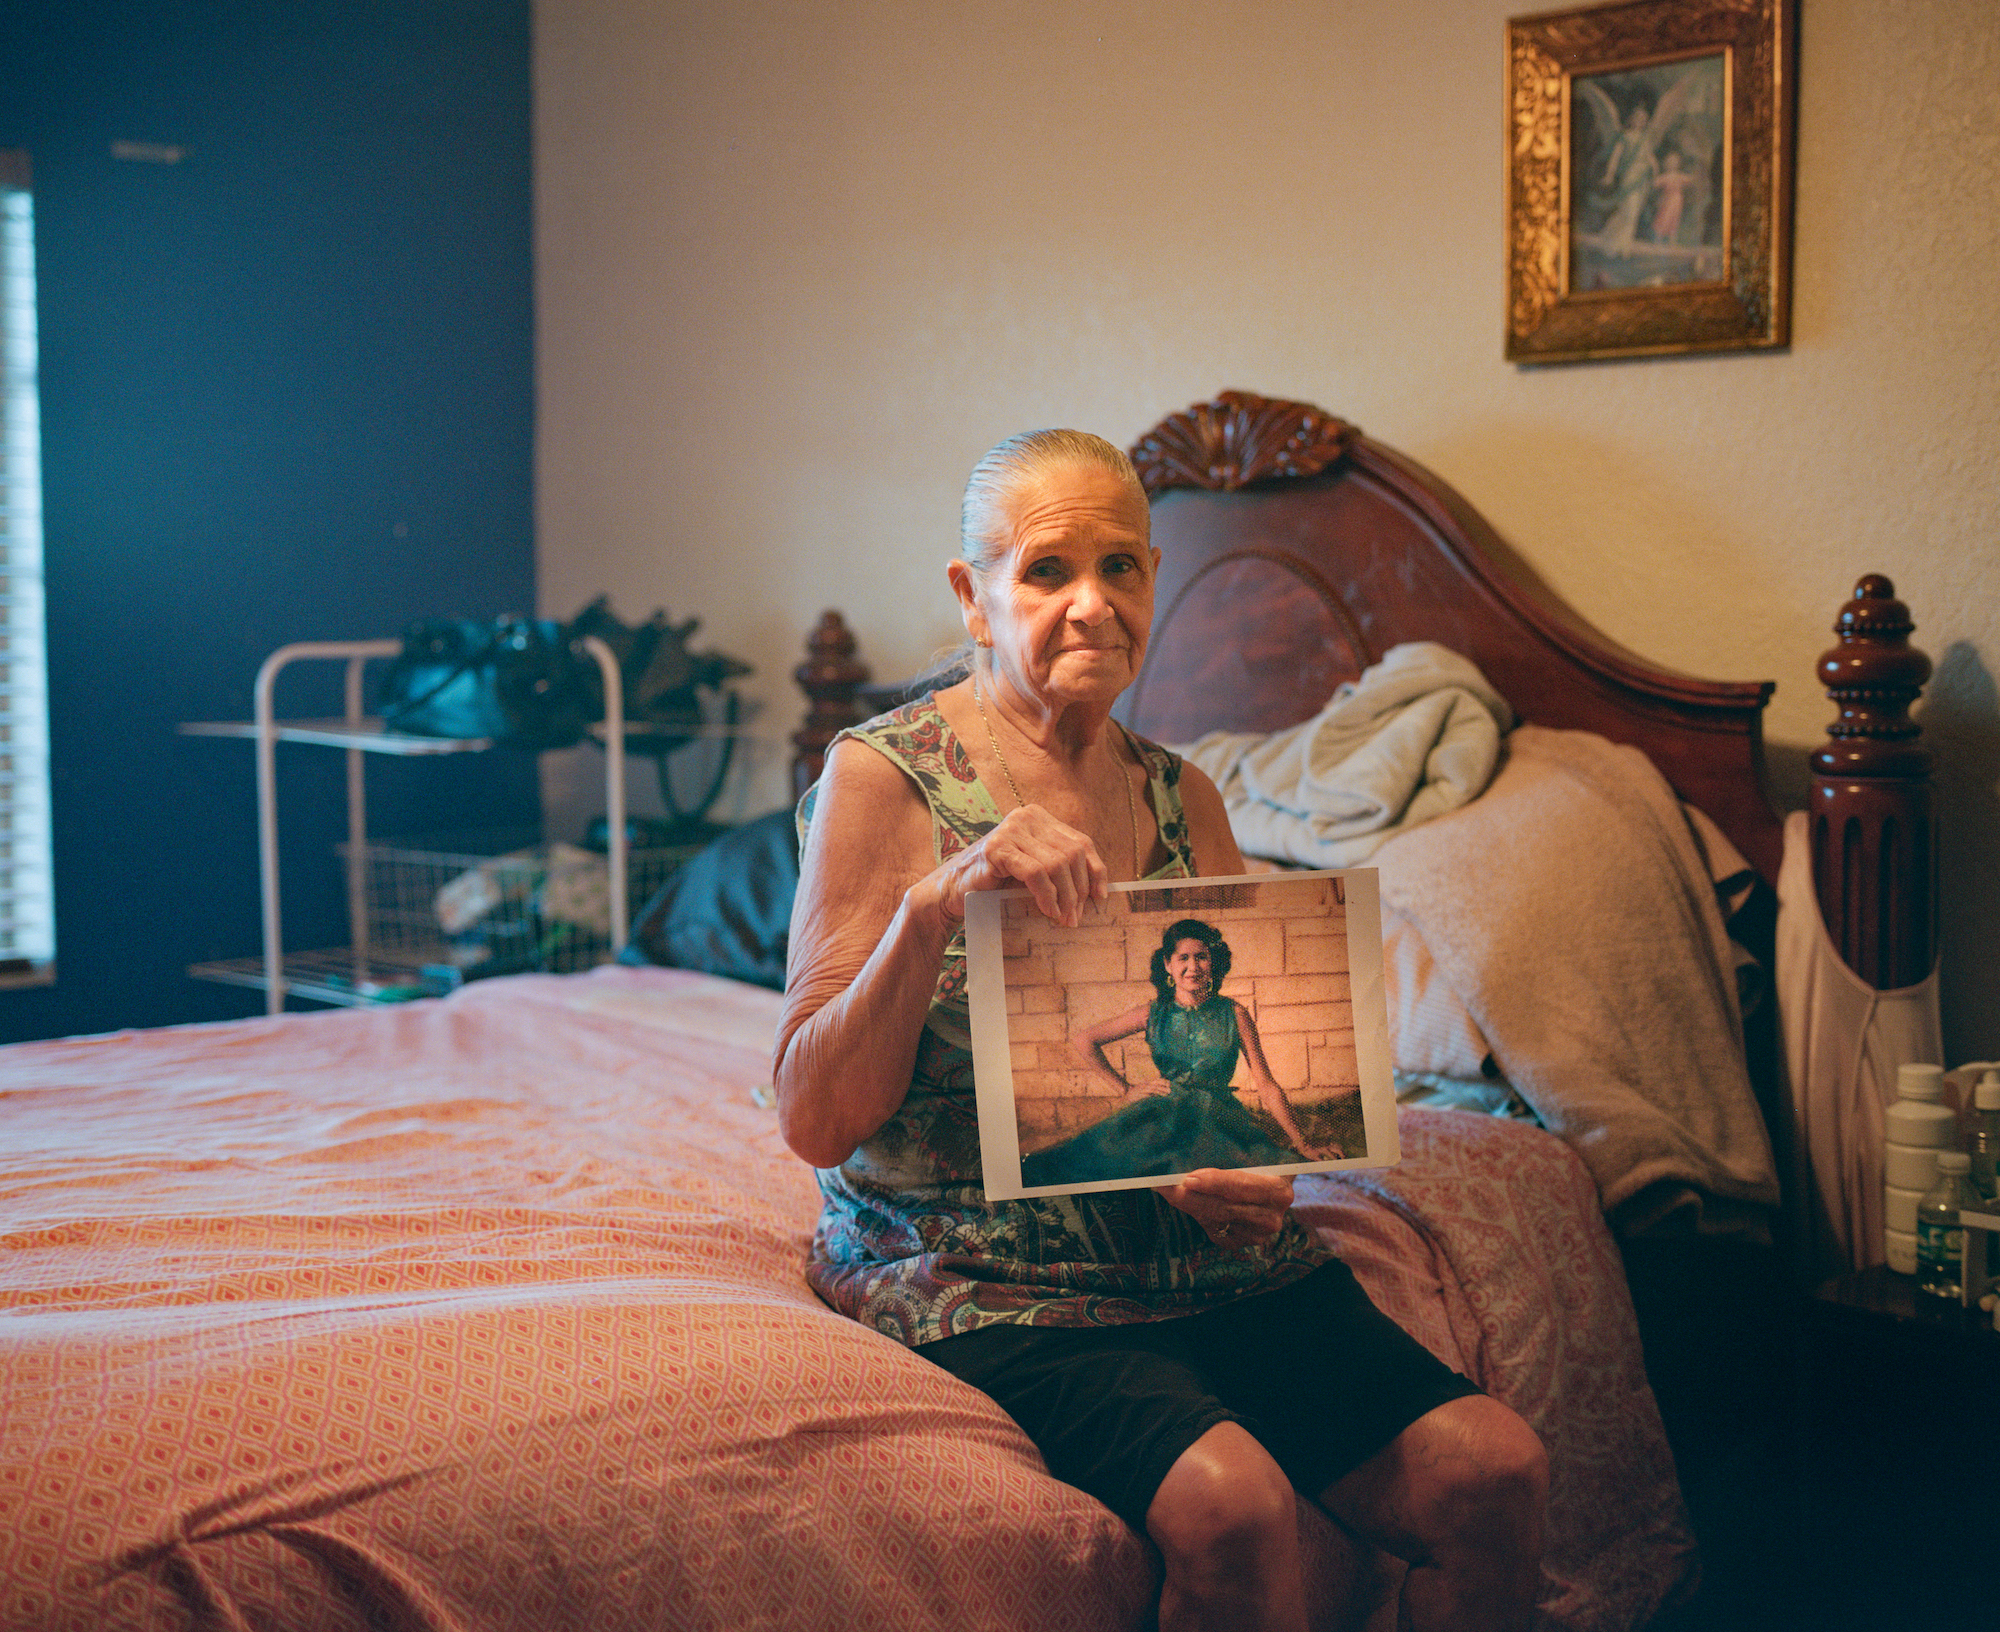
(1918, 1125)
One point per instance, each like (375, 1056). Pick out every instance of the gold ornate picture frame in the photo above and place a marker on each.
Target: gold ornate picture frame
(1649, 179)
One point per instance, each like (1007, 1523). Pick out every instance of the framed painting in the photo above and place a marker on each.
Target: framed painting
(1649, 179)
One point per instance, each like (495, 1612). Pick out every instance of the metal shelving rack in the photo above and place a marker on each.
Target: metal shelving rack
(356, 974)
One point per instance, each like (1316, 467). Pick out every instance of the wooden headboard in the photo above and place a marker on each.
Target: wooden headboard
(1295, 552)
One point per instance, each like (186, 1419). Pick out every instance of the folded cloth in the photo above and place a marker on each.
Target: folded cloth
(1417, 735)
(1574, 911)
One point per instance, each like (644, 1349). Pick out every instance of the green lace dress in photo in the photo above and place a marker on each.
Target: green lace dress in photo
(1200, 1124)
(907, 1241)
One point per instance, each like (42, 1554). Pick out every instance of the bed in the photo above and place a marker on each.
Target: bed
(488, 1312)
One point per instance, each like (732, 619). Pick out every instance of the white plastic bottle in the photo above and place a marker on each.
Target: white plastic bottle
(1940, 1236)
(1918, 1125)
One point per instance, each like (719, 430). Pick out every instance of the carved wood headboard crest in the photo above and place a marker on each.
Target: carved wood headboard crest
(1237, 439)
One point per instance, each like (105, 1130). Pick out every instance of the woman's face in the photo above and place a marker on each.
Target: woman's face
(1190, 969)
(1069, 605)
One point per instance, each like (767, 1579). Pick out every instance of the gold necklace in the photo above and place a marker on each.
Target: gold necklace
(1131, 809)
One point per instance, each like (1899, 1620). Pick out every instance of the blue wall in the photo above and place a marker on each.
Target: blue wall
(287, 393)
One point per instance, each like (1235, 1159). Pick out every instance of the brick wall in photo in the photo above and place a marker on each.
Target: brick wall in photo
(1288, 947)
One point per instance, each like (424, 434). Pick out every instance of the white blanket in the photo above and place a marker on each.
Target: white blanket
(1416, 736)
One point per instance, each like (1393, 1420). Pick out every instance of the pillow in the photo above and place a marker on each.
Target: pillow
(729, 910)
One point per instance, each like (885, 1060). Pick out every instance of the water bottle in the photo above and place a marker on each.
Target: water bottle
(1940, 1237)
(1986, 1136)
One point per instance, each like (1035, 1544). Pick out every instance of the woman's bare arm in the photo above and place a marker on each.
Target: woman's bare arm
(1215, 852)
(863, 961)
(870, 924)
(1268, 1090)
(1089, 1046)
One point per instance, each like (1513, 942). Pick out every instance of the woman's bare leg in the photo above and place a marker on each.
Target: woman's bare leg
(1226, 1523)
(1462, 1495)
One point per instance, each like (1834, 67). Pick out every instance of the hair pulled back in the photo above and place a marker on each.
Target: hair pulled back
(983, 522)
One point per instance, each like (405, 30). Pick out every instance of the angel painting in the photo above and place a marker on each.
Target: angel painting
(1646, 185)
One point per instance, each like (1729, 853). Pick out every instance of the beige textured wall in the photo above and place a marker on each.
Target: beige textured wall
(800, 264)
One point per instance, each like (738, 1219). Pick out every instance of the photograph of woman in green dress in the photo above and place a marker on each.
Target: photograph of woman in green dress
(1189, 1117)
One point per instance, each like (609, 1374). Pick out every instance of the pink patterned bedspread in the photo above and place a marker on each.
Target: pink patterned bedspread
(488, 1314)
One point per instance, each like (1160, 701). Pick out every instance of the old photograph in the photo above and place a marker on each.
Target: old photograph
(1231, 1023)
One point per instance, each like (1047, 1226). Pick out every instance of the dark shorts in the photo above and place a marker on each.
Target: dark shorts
(1314, 1371)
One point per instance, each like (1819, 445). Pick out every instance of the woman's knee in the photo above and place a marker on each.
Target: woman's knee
(1223, 1504)
(1469, 1477)
(1495, 1476)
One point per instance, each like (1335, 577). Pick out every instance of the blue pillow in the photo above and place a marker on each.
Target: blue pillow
(728, 911)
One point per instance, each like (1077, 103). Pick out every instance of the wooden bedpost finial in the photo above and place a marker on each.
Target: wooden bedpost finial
(1874, 819)
(1874, 674)
(831, 678)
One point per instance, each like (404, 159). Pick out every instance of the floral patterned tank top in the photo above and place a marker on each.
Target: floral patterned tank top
(907, 1241)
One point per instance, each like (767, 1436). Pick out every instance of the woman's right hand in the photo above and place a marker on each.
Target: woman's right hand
(1030, 849)
(1148, 1090)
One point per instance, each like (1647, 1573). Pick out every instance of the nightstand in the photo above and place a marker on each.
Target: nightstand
(1898, 1455)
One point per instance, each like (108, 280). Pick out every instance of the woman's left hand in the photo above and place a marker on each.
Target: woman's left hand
(1237, 1209)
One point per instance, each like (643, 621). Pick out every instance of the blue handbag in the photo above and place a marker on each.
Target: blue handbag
(517, 681)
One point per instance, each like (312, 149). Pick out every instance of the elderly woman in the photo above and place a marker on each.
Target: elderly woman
(1190, 1354)
(1189, 1117)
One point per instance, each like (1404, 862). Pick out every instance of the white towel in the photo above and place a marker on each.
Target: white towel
(1416, 736)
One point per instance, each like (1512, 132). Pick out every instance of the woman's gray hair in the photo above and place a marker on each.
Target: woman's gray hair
(997, 478)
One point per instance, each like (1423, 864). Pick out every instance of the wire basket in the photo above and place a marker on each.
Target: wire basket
(467, 905)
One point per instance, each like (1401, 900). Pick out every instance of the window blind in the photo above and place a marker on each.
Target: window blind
(27, 885)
